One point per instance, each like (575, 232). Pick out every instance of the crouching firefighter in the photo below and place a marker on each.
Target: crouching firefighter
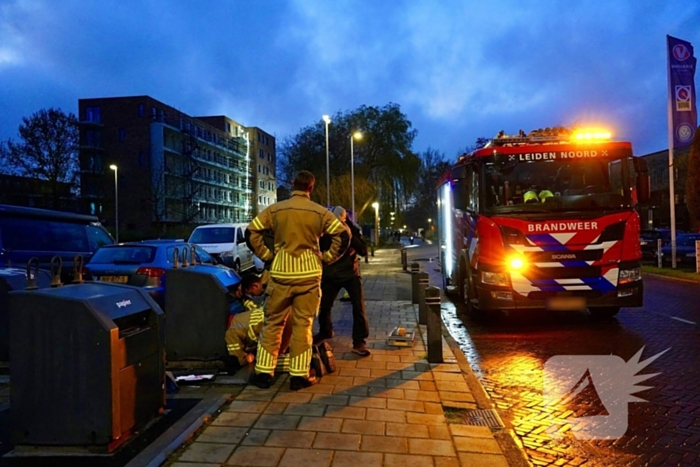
(295, 276)
(245, 326)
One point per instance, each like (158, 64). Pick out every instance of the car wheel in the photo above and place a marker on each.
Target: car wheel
(605, 312)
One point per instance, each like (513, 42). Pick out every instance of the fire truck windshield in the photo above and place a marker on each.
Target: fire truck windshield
(557, 185)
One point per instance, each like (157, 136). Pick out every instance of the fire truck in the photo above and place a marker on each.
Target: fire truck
(544, 220)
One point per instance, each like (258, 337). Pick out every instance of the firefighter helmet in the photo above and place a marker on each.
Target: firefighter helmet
(531, 197)
(544, 194)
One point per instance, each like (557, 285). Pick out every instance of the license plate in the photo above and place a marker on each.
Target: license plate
(118, 279)
(566, 303)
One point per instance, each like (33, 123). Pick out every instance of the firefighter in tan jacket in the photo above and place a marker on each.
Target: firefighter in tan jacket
(295, 276)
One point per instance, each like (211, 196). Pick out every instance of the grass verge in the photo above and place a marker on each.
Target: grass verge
(668, 272)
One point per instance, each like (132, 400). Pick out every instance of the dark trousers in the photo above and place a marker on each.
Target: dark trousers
(329, 292)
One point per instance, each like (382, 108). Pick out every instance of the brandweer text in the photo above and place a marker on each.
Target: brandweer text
(562, 226)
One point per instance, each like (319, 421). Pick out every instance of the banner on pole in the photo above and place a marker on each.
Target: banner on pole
(681, 91)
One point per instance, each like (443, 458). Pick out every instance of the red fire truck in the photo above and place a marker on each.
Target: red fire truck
(544, 220)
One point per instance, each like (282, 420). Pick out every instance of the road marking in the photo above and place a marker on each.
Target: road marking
(682, 320)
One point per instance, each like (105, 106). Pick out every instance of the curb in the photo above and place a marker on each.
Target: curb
(162, 448)
(671, 278)
(508, 440)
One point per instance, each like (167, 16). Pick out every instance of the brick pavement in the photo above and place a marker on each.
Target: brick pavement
(382, 410)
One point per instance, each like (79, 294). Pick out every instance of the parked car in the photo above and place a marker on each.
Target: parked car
(141, 264)
(649, 239)
(26, 233)
(226, 243)
(685, 249)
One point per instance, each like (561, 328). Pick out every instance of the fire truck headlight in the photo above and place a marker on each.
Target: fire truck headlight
(629, 275)
(516, 263)
(495, 278)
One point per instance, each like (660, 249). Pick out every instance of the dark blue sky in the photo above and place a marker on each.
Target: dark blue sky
(458, 69)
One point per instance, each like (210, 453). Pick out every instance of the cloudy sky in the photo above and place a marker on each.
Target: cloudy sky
(459, 69)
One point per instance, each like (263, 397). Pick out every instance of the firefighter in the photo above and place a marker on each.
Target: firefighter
(245, 327)
(295, 276)
(241, 296)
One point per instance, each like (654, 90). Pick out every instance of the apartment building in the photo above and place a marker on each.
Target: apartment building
(171, 168)
(262, 158)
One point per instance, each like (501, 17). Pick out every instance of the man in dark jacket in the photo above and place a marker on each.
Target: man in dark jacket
(345, 274)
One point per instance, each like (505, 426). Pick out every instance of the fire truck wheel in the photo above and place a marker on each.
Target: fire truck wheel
(605, 312)
(467, 293)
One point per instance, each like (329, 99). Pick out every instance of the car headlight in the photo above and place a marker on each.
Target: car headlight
(495, 278)
(226, 254)
(629, 275)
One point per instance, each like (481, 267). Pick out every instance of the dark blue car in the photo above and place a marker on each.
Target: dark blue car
(685, 249)
(141, 264)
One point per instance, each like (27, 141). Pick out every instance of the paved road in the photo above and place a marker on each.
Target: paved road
(509, 353)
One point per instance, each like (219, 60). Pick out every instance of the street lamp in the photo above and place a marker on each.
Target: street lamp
(375, 205)
(327, 119)
(116, 202)
(356, 135)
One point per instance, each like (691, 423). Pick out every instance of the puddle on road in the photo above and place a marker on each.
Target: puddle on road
(514, 382)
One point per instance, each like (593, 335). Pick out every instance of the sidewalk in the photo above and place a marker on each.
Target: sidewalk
(387, 409)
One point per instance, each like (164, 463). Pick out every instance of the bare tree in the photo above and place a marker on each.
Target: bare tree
(47, 150)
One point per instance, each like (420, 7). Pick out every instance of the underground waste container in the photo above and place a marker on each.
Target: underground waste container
(88, 365)
(197, 304)
(14, 279)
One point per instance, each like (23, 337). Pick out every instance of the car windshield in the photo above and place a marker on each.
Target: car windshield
(557, 185)
(687, 240)
(213, 235)
(124, 254)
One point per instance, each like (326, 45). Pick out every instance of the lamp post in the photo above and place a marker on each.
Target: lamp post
(356, 135)
(327, 119)
(375, 205)
(116, 202)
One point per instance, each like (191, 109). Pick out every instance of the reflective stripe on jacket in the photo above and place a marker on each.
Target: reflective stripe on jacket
(297, 224)
(244, 330)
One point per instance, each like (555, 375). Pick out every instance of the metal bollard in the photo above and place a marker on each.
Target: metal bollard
(415, 269)
(423, 284)
(659, 244)
(432, 302)
(404, 261)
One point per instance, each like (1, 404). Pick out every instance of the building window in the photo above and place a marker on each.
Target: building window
(154, 112)
(141, 110)
(262, 184)
(92, 114)
(260, 199)
(122, 135)
(259, 168)
(261, 154)
(228, 127)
